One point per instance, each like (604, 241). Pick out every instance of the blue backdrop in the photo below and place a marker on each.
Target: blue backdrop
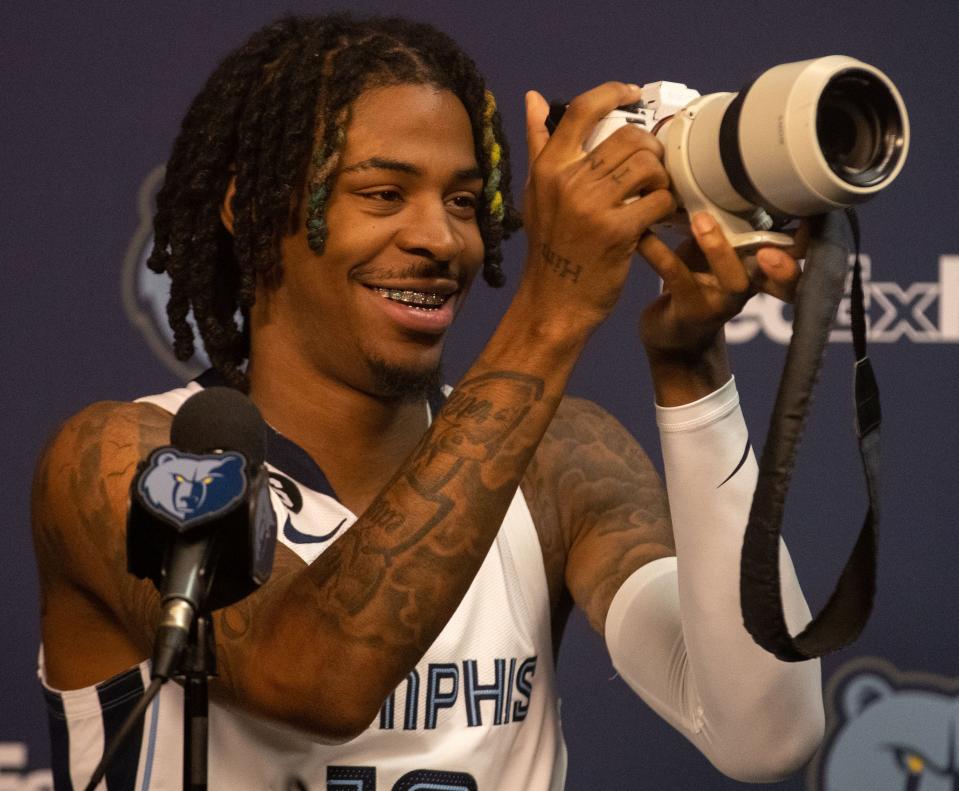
(93, 94)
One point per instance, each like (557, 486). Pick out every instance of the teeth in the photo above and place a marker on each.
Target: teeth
(415, 298)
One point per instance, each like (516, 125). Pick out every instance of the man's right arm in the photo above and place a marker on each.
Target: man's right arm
(98, 619)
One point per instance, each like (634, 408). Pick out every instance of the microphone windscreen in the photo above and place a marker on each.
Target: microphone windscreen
(220, 418)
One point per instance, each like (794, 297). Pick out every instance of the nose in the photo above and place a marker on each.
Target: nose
(430, 232)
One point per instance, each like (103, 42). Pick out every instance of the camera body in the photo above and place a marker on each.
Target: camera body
(802, 139)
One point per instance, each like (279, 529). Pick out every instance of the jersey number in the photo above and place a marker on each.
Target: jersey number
(363, 778)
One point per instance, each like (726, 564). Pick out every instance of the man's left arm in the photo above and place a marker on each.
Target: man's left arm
(673, 625)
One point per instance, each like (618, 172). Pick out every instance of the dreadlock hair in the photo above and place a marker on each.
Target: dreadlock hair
(273, 116)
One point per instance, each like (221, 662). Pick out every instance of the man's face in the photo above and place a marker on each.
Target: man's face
(402, 249)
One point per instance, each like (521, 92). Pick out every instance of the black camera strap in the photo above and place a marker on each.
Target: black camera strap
(847, 610)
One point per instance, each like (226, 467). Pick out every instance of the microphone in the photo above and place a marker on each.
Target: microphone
(200, 524)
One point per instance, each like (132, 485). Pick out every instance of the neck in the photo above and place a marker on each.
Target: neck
(358, 439)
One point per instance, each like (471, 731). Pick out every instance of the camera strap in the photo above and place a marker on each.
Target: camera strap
(847, 610)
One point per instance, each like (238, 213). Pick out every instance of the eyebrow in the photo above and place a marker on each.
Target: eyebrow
(382, 163)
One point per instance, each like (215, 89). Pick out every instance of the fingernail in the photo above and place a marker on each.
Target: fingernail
(703, 223)
(633, 87)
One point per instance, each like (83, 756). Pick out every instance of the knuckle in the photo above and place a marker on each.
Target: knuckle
(664, 201)
(652, 169)
(579, 107)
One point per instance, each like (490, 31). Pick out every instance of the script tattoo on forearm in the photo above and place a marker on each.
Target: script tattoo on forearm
(561, 265)
(426, 534)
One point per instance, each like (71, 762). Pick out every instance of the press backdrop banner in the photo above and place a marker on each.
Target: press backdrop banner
(93, 94)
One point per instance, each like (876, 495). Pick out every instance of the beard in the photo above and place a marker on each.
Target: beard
(404, 384)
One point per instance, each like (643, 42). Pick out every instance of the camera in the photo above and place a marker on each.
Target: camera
(801, 139)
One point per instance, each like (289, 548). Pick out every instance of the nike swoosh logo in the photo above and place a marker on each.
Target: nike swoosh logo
(290, 533)
(742, 461)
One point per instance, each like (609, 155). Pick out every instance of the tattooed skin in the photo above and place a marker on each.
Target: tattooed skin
(384, 589)
(599, 508)
(383, 557)
(560, 265)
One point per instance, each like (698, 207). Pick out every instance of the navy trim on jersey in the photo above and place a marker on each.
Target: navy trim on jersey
(436, 399)
(118, 697)
(151, 744)
(282, 453)
(59, 741)
(288, 457)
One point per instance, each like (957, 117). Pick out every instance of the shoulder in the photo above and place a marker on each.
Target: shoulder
(586, 460)
(83, 474)
(103, 438)
(582, 439)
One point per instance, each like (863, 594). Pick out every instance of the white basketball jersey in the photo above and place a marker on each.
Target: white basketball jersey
(478, 713)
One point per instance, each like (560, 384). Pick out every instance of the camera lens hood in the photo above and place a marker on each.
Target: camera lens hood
(810, 136)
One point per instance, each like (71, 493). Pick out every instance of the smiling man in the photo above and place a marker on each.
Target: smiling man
(342, 183)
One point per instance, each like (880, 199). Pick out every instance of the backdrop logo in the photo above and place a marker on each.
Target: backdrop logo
(14, 774)
(888, 731)
(145, 293)
(919, 312)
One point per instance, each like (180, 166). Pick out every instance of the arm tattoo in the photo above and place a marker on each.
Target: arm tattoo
(593, 485)
(430, 526)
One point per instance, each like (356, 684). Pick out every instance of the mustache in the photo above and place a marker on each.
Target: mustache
(423, 269)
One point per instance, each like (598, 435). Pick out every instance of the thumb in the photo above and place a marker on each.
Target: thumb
(537, 109)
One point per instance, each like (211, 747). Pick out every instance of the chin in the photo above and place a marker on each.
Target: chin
(404, 383)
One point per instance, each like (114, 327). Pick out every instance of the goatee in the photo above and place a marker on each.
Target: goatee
(404, 384)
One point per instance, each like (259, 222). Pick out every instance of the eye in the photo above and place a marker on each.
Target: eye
(208, 480)
(463, 203)
(385, 195)
(180, 479)
(911, 762)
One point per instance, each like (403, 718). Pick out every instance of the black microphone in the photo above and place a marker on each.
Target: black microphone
(200, 525)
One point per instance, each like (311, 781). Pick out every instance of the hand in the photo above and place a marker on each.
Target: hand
(582, 234)
(707, 284)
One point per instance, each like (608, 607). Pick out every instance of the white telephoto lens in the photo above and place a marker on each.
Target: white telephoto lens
(814, 135)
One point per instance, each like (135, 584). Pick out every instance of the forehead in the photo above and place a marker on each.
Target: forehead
(416, 123)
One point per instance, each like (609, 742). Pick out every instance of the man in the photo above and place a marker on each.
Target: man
(341, 183)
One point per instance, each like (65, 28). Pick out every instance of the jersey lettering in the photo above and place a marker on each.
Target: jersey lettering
(495, 693)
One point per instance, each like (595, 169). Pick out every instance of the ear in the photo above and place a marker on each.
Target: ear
(226, 208)
(862, 691)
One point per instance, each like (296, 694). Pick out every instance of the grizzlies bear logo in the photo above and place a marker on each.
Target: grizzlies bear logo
(187, 490)
(889, 731)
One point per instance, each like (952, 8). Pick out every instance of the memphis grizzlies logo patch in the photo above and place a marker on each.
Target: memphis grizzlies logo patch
(187, 490)
(888, 731)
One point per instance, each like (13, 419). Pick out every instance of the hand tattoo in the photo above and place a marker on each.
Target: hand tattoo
(560, 265)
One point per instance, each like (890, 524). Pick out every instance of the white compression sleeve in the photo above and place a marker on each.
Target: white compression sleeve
(674, 629)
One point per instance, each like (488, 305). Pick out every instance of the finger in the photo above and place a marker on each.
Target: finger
(537, 135)
(779, 273)
(722, 258)
(800, 240)
(642, 172)
(648, 209)
(665, 263)
(586, 110)
(626, 141)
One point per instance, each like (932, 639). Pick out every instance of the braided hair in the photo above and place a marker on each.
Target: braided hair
(272, 116)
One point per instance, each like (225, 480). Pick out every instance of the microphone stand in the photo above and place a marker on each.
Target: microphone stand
(197, 665)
